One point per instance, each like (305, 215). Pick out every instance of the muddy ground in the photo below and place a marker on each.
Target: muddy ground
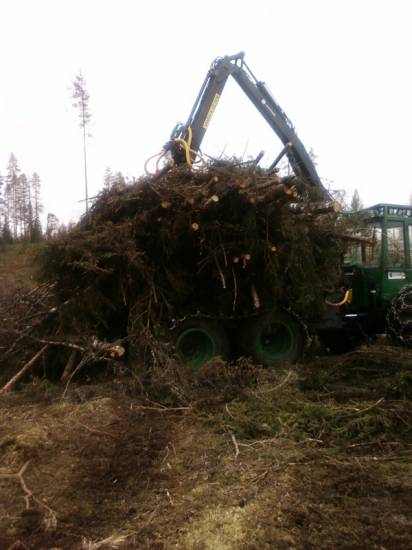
(316, 456)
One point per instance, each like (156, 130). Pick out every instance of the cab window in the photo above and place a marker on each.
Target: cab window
(373, 251)
(368, 249)
(396, 245)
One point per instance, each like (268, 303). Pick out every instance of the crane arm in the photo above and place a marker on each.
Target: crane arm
(208, 97)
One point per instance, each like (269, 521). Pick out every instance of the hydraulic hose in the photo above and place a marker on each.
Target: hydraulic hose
(347, 298)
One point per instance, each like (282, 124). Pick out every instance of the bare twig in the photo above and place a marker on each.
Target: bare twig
(221, 275)
(63, 344)
(19, 476)
(169, 497)
(100, 351)
(366, 409)
(234, 289)
(23, 371)
(160, 409)
(228, 412)
(18, 545)
(235, 444)
(283, 383)
(114, 541)
(95, 430)
(70, 365)
(82, 363)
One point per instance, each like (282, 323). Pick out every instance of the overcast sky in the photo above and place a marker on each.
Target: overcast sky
(341, 69)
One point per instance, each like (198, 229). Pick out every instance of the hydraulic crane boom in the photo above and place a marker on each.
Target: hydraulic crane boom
(195, 128)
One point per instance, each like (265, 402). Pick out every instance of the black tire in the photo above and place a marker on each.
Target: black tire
(399, 317)
(198, 340)
(273, 338)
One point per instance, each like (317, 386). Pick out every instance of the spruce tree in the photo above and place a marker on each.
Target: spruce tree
(6, 235)
(23, 205)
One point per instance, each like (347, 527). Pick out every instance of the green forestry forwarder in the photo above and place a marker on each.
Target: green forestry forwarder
(377, 270)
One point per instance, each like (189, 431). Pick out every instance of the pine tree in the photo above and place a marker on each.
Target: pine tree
(20, 204)
(35, 190)
(8, 204)
(81, 97)
(23, 205)
(37, 207)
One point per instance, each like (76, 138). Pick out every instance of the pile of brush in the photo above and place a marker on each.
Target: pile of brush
(224, 241)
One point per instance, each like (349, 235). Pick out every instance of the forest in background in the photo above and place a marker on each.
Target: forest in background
(20, 205)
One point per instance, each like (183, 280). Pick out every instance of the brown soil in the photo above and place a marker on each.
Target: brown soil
(119, 472)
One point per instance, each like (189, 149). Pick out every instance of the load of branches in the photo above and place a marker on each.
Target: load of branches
(224, 241)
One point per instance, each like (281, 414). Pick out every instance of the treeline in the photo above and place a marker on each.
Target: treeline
(20, 205)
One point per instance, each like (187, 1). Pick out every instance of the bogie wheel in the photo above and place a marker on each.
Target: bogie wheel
(199, 340)
(273, 338)
(399, 316)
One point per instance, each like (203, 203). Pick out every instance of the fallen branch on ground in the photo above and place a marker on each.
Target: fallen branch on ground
(70, 366)
(11, 384)
(235, 444)
(19, 476)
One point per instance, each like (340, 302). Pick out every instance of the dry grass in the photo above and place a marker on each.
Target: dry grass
(17, 267)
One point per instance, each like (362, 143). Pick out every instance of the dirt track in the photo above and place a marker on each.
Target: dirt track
(109, 466)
